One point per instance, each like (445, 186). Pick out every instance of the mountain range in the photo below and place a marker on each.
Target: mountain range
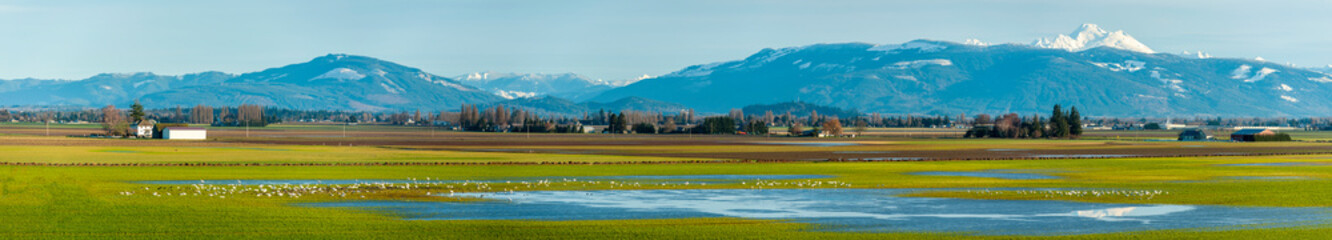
(335, 81)
(550, 105)
(515, 85)
(1325, 69)
(1104, 73)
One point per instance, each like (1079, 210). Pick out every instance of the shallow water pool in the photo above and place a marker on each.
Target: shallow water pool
(861, 210)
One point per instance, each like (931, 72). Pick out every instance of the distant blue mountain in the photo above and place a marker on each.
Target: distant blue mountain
(798, 109)
(513, 85)
(99, 90)
(332, 82)
(1103, 73)
(1324, 69)
(936, 77)
(550, 105)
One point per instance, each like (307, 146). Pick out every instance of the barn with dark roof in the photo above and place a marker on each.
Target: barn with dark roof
(1194, 134)
(1251, 134)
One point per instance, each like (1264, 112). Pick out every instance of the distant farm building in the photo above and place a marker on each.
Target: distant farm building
(184, 133)
(1194, 135)
(1251, 135)
(143, 129)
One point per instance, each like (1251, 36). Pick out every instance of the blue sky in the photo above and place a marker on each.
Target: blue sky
(602, 39)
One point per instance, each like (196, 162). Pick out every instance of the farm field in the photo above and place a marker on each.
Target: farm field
(1097, 144)
(65, 199)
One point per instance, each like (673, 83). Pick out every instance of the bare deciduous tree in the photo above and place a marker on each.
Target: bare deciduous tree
(113, 122)
(832, 126)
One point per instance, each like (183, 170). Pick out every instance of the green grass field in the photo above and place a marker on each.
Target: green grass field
(39, 202)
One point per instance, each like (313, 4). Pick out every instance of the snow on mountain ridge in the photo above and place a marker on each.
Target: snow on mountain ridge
(922, 63)
(488, 76)
(626, 82)
(695, 70)
(341, 74)
(1195, 55)
(1325, 69)
(919, 45)
(975, 42)
(1128, 65)
(1090, 36)
(514, 94)
(1243, 72)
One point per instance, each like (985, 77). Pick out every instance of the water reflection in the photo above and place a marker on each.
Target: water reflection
(1119, 214)
(873, 210)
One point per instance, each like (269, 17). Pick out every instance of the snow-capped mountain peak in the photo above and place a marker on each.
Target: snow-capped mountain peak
(1090, 36)
(1089, 31)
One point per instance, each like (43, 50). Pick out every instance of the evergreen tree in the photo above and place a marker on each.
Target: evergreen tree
(1074, 122)
(645, 128)
(624, 122)
(756, 127)
(1038, 127)
(617, 123)
(1058, 124)
(136, 111)
(716, 125)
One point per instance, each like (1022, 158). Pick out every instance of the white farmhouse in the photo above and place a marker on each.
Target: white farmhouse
(184, 133)
(143, 129)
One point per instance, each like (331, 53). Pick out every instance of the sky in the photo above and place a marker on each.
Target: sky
(611, 40)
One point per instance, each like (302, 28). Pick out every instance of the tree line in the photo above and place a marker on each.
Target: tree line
(1061, 124)
(116, 122)
(500, 119)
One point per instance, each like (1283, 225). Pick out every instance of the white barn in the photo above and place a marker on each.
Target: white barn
(184, 133)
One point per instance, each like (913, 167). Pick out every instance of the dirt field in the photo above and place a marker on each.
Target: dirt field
(887, 145)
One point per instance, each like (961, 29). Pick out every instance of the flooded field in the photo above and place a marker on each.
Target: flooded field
(860, 210)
